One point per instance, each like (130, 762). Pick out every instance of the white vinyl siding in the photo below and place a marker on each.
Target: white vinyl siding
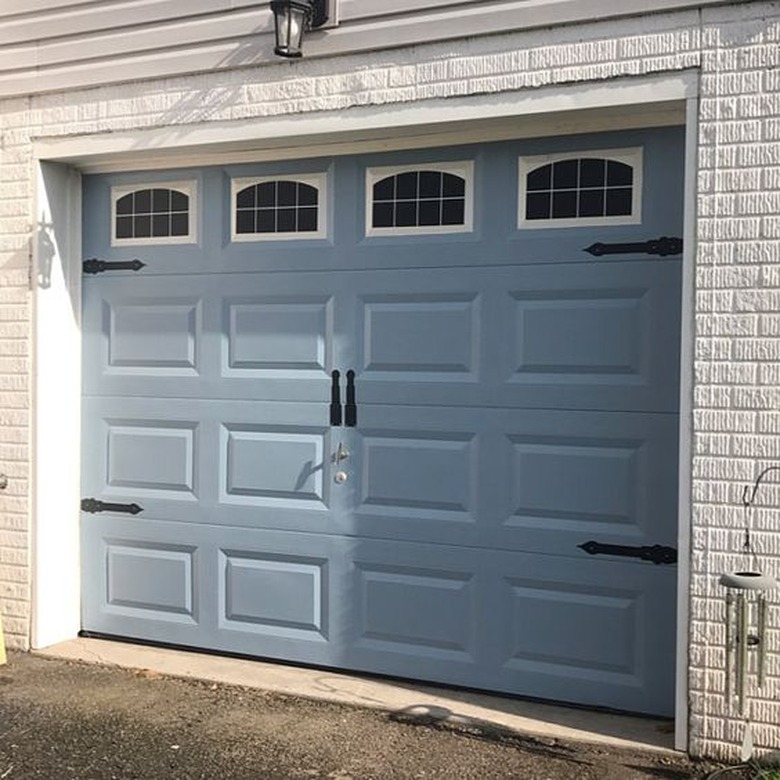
(61, 44)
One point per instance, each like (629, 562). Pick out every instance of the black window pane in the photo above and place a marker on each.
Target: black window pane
(307, 219)
(285, 221)
(161, 201)
(592, 173)
(591, 203)
(143, 202)
(124, 227)
(430, 184)
(245, 222)
(286, 193)
(537, 205)
(405, 214)
(161, 225)
(143, 227)
(125, 204)
(565, 174)
(266, 221)
(619, 174)
(406, 186)
(245, 199)
(382, 215)
(619, 202)
(266, 194)
(540, 179)
(564, 205)
(179, 201)
(307, 195)
(385, 190)
(429, 212)
(180, 224)
(453, 211)
(453, 186)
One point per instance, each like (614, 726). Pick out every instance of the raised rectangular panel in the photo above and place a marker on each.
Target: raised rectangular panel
(272, 466)
(587, 334)
(590, 629)
(151, 456)
(428, 337)
(279, 335)
(156, 580)
(426, 610)
(273, 593)
(157, 336)
(559, 482)
(423, 474)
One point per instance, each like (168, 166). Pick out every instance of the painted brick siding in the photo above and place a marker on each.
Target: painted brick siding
(15, 339)
(737, 273)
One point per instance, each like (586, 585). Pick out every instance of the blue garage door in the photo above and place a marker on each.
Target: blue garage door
(367, 412)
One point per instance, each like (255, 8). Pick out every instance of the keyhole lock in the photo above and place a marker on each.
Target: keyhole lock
(340, 477)
(342, 453)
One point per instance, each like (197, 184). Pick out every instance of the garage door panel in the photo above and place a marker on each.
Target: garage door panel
(431, 337)
(572, 477)
(567, 333)
(582, 625)
(278, 335)
(274, 594)
(273, 466)
(191, 338)
(594, 336)
(512, 479)
(153, 335)
(416, 610)
(150, 457)
(150, 579)
(264, 593)
(221, 463)
(423, 611)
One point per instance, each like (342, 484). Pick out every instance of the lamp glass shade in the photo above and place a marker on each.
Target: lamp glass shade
(291, 17)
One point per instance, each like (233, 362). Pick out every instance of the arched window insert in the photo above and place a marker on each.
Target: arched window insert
(434, 198)
(153, 214)
(589, 188)
(272, 208)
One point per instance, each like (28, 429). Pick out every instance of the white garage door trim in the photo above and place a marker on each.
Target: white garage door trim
(57, 258)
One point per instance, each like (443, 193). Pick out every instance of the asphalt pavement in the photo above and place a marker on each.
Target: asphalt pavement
(62, 719)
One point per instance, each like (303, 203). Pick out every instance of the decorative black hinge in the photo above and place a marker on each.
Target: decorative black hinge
(655, 553)
(663, 246)
(92, 505)
(95, 266)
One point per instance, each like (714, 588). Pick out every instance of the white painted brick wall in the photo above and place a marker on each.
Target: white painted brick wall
(737, 325)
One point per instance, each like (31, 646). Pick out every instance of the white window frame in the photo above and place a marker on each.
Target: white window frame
(629, 156)
(317, 180)
(188, 187)
(463, 168)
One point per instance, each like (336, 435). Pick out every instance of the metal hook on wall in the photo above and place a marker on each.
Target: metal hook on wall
(747, 502)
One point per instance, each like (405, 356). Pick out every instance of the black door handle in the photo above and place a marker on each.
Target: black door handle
(350, 408)
(335, 399)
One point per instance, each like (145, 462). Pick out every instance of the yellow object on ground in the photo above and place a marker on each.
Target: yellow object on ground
(2, 643)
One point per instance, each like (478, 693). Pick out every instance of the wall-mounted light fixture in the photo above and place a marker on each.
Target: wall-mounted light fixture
(292, 19)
